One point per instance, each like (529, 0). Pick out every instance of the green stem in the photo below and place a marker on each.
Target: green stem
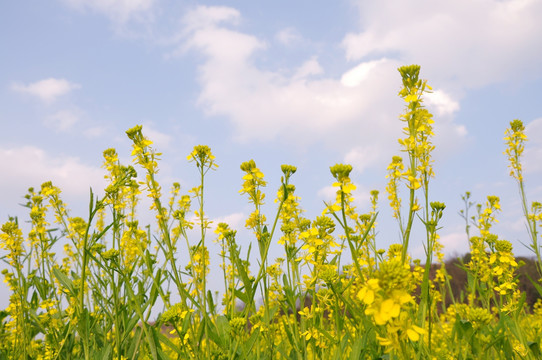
(406, 235)
(263, 254)
(531, 225)
(137, 308)
(203, 305)
(84, 335)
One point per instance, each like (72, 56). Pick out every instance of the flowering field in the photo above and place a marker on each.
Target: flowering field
(333, 295)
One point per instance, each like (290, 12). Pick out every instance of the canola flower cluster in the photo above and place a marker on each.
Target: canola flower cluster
(334, 294)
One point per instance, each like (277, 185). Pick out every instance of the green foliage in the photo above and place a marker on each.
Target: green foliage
(333, 295)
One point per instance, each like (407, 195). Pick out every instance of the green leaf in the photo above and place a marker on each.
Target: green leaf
(241, 295)
(328, 335)
(134, 343)
(344, 342)
(154, 294)
(289, 335)
(64, 280)
(356, 349)
(130, 326)
(244, 277)
(465, 327)
(282, 352)
(247, 348)
(105, 353)
(165, 340)
(213, 335)
(161, 354)
(521, 304)
(156, 343)
(536, 285)
(535, 348)
(223, 328)
(210, 301)
(3, 314)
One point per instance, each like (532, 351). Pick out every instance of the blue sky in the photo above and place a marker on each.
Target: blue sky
(309, 83)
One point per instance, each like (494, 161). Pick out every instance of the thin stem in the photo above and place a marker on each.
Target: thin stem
(406, 234)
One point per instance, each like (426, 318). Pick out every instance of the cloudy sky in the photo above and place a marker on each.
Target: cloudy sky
(309, 83)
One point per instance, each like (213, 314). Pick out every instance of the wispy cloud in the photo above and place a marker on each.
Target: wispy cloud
(202, 17)
(302, 106)
(361, 195)
(288, 36)
(307, 69)
(117, 10)
(454, 241)
(327, 193)
(442, 102)
(464, 43)
(265, 104)
(362, 157)
(160, 140)
(47, 90)
(235, 221)
(62, 120)
(358, 74)
(31, 166)
(95, 131)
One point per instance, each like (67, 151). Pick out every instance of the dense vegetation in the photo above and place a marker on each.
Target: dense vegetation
(334, 294)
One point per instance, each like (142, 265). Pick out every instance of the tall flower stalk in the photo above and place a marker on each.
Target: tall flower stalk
(515, 139)
(418, 131)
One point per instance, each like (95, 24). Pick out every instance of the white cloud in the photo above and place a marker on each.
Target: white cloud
(62, 120)
(362, 157)
(308, 68)
(264, 105)
(300, 106)
(117, 10)
(515, 225)
(358, 74)
(48, 90)
(203, 17)
(465, 43)
(327, 193)
(28, 166)
(160, 140)
(288, 36)
(222, 44)
(236, 221)
(455, 242)
(361, 196)
(442, 103)
(95, 131)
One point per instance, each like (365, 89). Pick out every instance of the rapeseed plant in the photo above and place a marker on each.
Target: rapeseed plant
(334, 294)
(515, 139)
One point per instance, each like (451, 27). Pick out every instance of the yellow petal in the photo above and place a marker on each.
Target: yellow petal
(395, 310)
(413, 335)
(387, 306)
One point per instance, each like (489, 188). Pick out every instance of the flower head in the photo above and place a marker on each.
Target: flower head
(515, 139)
